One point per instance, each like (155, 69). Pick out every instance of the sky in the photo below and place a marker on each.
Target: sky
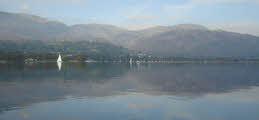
(232, 15)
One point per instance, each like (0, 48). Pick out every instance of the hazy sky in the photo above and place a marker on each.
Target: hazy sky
(136, 14)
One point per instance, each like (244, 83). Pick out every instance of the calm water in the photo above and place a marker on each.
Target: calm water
(113, 91)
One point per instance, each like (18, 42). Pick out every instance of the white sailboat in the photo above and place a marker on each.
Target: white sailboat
(130, 61)
(59, 58)
(59, 62)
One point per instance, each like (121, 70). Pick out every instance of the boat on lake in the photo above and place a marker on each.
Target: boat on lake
(59, 58)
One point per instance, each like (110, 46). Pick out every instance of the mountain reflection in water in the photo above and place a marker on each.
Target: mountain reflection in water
(25, 84)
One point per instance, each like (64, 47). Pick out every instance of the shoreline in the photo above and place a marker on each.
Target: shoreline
(139, 62)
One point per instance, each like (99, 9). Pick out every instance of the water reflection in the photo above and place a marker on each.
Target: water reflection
(59, 65)
(23, 84)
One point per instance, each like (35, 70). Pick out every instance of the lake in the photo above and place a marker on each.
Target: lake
(122, 91)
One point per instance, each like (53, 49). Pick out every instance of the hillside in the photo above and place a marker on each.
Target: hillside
(179, 40)
(65, 47)
(198, 42)
(29, 27)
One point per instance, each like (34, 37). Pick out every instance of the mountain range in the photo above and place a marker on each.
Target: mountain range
(178, 40)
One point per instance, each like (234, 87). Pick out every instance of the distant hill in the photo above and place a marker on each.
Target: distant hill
(179, 40)
(194, 41)
(91, 32)
(29, 27)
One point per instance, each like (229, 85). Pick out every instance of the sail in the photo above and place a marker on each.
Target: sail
(59, 58)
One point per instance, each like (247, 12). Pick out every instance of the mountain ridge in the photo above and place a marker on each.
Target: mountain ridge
(176, 40)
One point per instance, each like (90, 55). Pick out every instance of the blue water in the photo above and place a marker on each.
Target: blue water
(120, 91)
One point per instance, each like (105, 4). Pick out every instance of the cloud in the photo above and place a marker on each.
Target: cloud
(179, 12)
(193, 3)
(141, 16)
(24, 7)
(224, 1)
(183, 6)
(182, 19)
(44, 1)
